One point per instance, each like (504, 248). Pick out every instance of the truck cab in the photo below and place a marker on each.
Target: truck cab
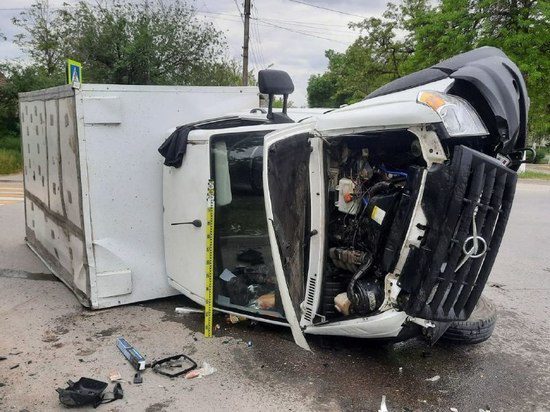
(381, 219)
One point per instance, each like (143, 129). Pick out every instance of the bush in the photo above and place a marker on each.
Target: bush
(542, 153)
(10, 161)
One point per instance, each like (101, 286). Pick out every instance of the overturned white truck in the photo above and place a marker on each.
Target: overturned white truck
(381, 219)
(378, 220)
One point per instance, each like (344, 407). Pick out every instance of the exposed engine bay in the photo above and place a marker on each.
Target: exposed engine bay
(368, 178)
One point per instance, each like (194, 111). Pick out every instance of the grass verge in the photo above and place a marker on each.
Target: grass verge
(10, 161)
(10, 155)
(534, 175)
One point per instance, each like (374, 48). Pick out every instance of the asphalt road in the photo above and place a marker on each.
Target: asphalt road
(48, 338)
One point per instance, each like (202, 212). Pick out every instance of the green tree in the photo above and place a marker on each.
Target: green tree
(149, 43)
(41, 38)
(417, 34)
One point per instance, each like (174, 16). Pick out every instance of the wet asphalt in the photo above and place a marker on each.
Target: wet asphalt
(260, 367)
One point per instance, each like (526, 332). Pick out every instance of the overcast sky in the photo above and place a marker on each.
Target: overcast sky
(285, 33)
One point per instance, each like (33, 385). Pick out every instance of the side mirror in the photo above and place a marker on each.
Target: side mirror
(272, 82)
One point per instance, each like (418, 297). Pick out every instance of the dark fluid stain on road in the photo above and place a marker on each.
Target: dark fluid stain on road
(107, 332)
(355, 373)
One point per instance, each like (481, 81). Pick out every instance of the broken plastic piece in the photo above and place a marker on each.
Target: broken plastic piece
(205, 370)
(115, 376)
(162, 365)
(184, 310)
(383, 407)
(138, 378)
(235, 319)
(434, 379)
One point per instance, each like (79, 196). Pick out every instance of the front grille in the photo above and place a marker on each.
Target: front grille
(439, 282)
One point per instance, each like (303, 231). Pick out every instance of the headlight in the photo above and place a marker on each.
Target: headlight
(458, 116)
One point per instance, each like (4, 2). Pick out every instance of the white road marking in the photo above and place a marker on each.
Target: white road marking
(11, 192)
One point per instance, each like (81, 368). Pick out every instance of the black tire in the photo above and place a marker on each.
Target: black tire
(478, 328)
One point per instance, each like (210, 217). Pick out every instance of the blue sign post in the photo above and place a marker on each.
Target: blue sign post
(74, 73)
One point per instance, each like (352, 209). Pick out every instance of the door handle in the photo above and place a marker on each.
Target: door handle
(196, 223)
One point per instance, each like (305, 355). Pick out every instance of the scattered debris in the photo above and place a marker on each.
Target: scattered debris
(434, 379)
(249, 344)
(130, 353)
(383, 407)
(185, 310)
(235, 319)
(138, 378)
(14, 366)
(3, 358)
(15, 353)
(87, 391)
(168, 366)
(218, 327)
(400, 369)
(115, 376)
(205, 370)
(453, 409)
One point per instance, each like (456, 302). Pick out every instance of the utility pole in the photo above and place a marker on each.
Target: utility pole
(245, 41)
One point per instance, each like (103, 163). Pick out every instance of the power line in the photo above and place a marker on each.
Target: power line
(326, 8)
(239, 10)
(265, 23)
(257, 36)
(303, 33)
(314, 29)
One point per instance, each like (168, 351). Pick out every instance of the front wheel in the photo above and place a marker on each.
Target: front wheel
(478, 328)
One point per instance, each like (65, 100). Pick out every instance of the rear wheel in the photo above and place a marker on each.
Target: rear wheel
(478, 328)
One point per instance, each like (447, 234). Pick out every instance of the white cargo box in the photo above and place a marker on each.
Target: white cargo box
(93, 181)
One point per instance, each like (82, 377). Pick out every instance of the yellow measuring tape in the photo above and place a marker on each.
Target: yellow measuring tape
(209, 295)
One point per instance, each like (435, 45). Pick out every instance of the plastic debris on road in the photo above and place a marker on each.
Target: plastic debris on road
(205, 370)
(185, 310)
(383, 407)
(434, 379)
(115, 376)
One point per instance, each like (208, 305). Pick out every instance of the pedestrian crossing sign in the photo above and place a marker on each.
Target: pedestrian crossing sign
(74, 73)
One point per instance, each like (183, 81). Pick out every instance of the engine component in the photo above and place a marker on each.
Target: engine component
(346, 201)
(348, 259)
(377, 219)
(367, 297)
(342, 303)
